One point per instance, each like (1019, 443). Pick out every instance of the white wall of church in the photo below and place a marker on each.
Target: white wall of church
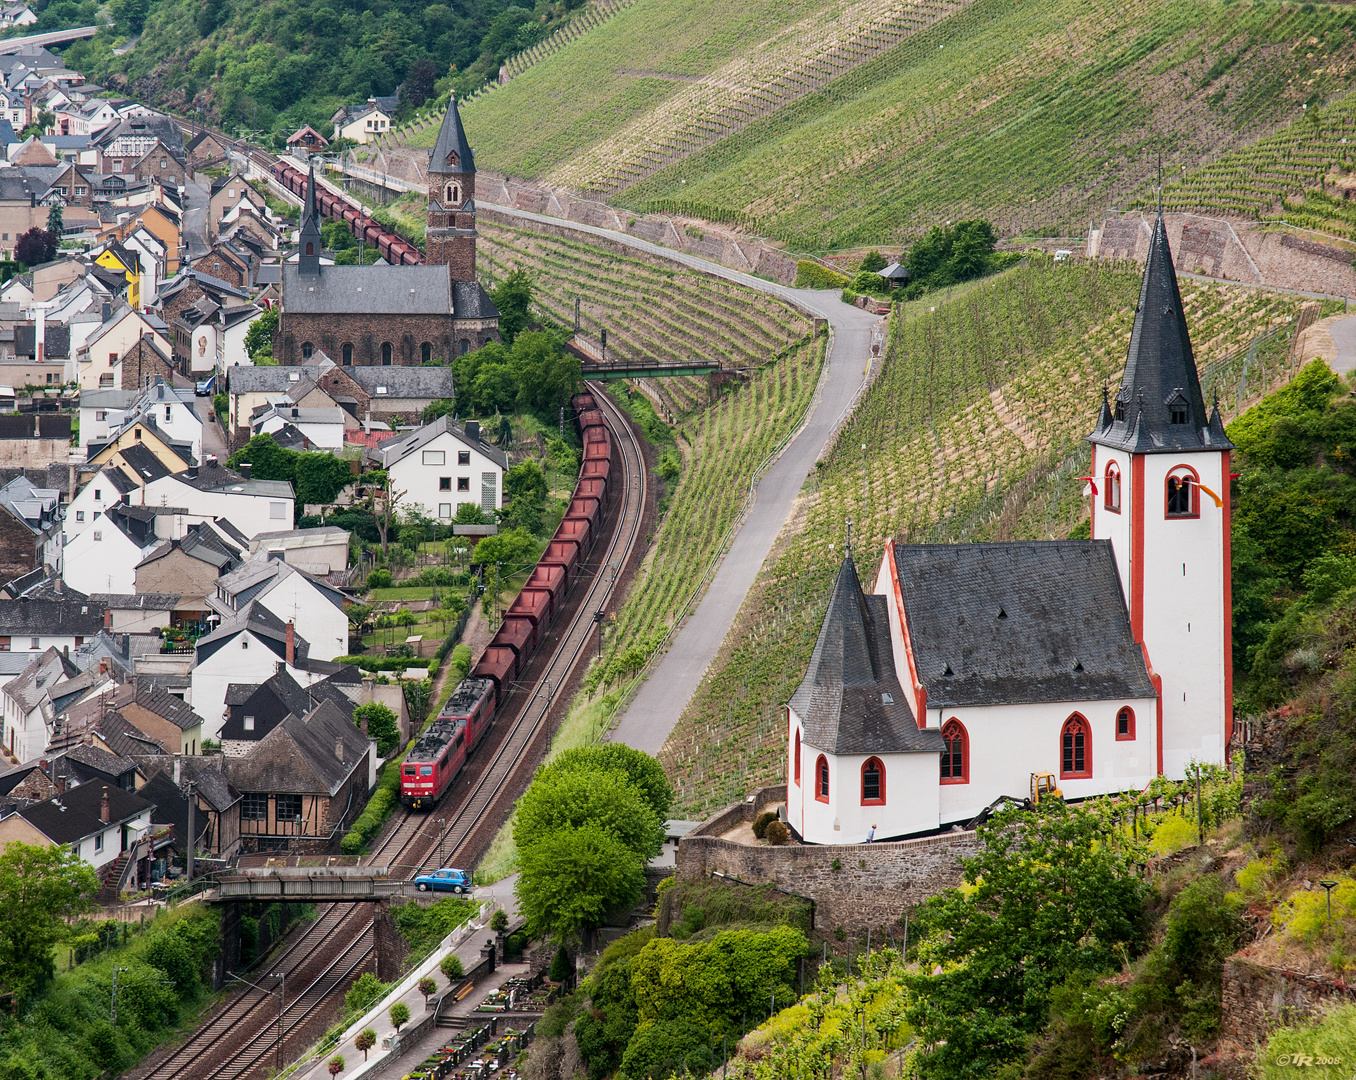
(1007, 743)
(1185, 582)
(1107, 524)
(910, 794)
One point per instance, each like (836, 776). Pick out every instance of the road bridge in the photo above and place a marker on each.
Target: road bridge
(52, 37)
(328, 885)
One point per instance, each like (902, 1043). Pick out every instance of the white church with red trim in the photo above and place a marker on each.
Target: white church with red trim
(1107, 662)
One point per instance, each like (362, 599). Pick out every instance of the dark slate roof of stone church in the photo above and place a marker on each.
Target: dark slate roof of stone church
(1002, 624)
(1160, 370)
(850, 701)
(379, 290)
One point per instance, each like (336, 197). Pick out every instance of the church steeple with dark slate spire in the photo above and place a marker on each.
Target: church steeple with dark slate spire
(450, 236)
(308, 247)
(1159, 407)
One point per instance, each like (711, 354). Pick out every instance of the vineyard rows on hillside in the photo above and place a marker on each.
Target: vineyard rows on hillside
(782, 69)
(973, 431)
(1301, 173)
(655, 312)
(1038, 115)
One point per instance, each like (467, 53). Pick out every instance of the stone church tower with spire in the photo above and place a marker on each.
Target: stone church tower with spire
(402, 316)
(969, 670)
(450, 237)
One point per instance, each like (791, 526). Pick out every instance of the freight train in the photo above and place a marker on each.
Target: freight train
(396, 250)
(440, 753)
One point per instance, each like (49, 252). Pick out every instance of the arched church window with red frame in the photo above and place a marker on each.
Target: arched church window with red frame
(1182, 497)
(796, 759)
(955, 753)
(1111, 482)
(1125, 724)
(873, 782)
(822, 779)
(1075, 748)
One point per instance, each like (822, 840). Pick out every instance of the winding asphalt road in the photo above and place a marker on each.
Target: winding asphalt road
(661, 700)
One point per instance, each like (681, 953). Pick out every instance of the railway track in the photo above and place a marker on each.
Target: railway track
(242, 1039)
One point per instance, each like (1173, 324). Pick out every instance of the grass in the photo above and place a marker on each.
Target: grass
(411, 592)
(825, 125)
(975, 429)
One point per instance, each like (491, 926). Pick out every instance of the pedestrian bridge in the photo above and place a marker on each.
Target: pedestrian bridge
(312, 885)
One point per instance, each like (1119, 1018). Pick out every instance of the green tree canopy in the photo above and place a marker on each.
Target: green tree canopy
(259, 335)
(571, 878)
(571, 798)
(640, 769)
(316, 477)
(382, 725)
(1047, 897)
(40, 887)
(513, 298)
(512, 549)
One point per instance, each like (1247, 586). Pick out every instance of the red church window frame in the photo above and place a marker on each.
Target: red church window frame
(880, 787)
(1111, 494)
(822, 779)
(796, 772)
(955, 757)
(1128, 735)
(1069, 769)
(1180, 473)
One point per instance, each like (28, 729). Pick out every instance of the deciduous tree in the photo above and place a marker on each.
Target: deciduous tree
(40, 887)
(570, 879)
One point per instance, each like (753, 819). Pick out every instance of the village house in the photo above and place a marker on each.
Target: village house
(442, 465)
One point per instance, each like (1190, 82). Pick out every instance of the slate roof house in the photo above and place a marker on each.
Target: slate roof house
(394, 315)
(971, 667)
(304, 783)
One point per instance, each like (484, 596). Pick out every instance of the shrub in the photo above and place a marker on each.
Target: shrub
(366, 989)
(777, 832)
(499, 920)
(427, 985)
(379, 579)
(400, 1014)
(336, 1065)
(382, 725)
(461, 661)
(812, 275)
(762, 821)
(561, 968)
(451, 967)
(365, 1040)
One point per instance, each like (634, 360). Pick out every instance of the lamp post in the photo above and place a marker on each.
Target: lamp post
(598, 617)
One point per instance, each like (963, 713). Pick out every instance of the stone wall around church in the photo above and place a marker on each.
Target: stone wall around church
(858, 887)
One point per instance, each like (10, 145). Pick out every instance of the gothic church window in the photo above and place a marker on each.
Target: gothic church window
(1181, 495)
(1125, 723)
(348, 353)
(387, 351)
(822, 779)
(1075, 748)
(796, 773)
(453, 194)
(426, 353)
(1112, 494)
(306, 350)
(873, 782)
(955, 753)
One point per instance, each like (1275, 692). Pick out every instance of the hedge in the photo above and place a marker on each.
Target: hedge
(388, 663)
(813, 275)
(378, 809)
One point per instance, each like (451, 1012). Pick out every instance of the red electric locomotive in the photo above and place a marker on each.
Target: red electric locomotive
(438, 756)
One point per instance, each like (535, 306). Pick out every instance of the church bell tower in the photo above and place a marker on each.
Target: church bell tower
(1160, 479)
(450, 237)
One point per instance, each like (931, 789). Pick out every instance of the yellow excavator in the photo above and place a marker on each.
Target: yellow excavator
(1043, 787)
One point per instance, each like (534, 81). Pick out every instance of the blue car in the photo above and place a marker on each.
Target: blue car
(445, 880)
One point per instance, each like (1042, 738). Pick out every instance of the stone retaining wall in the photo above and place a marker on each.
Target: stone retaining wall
(855, 886)
(1258, 999)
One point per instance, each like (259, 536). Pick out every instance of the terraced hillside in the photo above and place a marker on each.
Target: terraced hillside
(973, 431)
(1038, 114)
(1305, 174)
(660, 312)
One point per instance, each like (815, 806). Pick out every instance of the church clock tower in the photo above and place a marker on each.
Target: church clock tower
(450, 236)
(1160, 479)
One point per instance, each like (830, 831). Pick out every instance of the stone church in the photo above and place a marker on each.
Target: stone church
(1107, 662)
(367, 316)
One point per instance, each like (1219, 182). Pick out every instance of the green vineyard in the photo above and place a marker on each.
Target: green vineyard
(973, 431)
(653, 311)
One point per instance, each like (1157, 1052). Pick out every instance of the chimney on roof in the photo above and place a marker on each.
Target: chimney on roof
(103, 666)
(104, 815)
(473, 430)
(106, 312)
(40, 332)
(291, 643)
(176, 770)
(245, 469)
(339, 749)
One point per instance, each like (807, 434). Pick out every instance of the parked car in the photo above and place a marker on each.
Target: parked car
(204, 387)
(444, 880)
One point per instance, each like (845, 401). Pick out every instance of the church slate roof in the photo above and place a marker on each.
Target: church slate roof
(850, 701)
(1160, 372)
(471, 301)
(452, 140)
(1017, 623)
(377, 290)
